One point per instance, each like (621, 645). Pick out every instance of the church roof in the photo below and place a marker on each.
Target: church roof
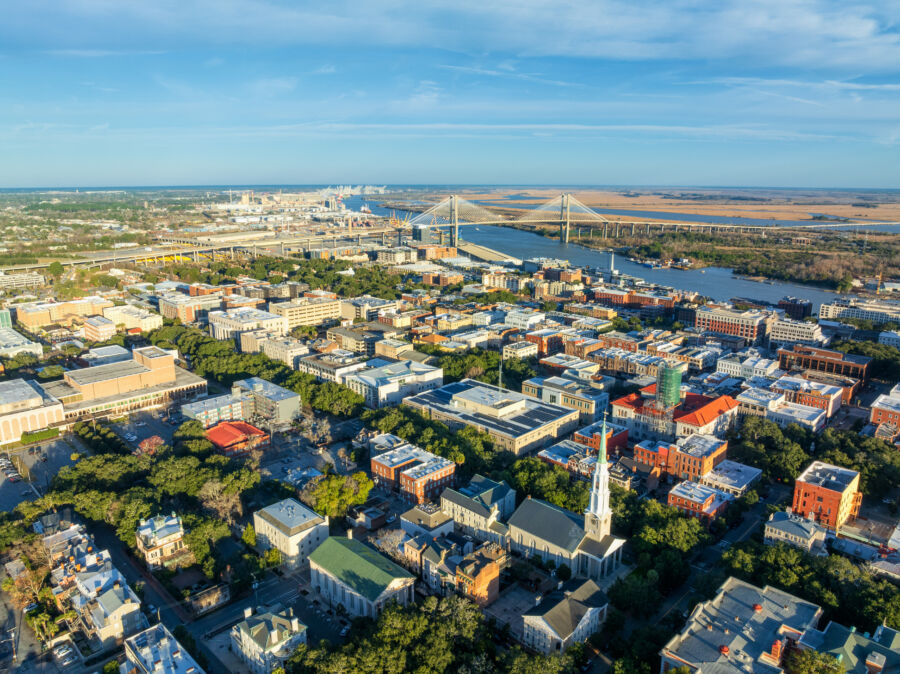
(547, 522)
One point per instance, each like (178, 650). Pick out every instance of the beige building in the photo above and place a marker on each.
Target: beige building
(565, 617)
(25, 406)
(39, 314)
(98, 328)
(307, 311)
(264, 641)
(132, 318)
(285, 349)
(292, 529)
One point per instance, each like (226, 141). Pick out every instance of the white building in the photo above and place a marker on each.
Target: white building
(348, 573)
(156, 651)
(133, 318)
(288, 351)
(890, 338)
(13, 343)
(265, 641)
(877, 311)
(524, 319)
(787, 331)
(522, 350)
(291, 528)
(227, 324)
(565, 617)
(387, 385)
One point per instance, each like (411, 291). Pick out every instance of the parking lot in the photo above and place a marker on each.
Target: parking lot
(144, 424)
(42, 462)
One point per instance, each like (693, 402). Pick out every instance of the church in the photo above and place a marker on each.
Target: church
(583, 543)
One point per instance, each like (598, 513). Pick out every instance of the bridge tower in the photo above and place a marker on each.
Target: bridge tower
(454, 218)
(564, 212)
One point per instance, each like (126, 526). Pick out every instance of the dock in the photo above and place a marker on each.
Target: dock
(484, 254)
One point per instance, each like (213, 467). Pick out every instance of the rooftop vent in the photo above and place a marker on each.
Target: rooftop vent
(723, 649)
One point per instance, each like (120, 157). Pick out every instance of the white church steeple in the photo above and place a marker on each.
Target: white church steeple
(598, 516)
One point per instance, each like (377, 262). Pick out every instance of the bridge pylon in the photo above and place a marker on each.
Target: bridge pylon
(564, 217)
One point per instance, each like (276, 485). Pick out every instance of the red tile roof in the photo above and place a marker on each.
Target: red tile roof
(708, 412)
(228, 433)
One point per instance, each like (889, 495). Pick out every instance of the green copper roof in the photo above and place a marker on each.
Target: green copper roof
(358, 566)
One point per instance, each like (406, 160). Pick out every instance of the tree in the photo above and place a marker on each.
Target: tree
(249, 536)
(812, 662)
(55, 269)
(332, 495)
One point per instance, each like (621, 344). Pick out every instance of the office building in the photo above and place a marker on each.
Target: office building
(307, 311)
(795, 307)
(366, 307)
(265, 641)
(188, 309)
(750, 325)
(804, 357)
(800, 532)
(731, 477)
(291, 528)
(37, 315)
(564, 617)
(228, 407)
(156, 651)
(742, 629)
(522, 350)
(229, 324)
(13, 343)
(416, 474)
(829, 494)
(334, 366)
(270, 401)
(356, 340)
(160, 540)
(802, 391)
(876, 311)
(98, 329)
(133, 319)
(786, 331)
(689, 458)
(284, 349)
(516, 422)
(387, 385)
(350, 574)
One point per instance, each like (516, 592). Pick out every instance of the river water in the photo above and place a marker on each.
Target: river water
(714, 282)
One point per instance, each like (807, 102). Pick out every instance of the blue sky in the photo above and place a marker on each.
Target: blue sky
(658, 92)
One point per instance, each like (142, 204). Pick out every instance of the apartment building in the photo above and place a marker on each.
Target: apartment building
(160, 540)
(307, 311)
(699, 500)
(829, 494)
(522, 350)
(291, 528)
(188, 309)
(284, 349)
(270, 401)
(228, 407)
(333, 366)
(416, 474)
(516, 422)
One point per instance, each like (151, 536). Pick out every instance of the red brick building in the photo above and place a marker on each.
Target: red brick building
(688, 459)
(418, 475)
(805, 357)
(591, 436)
(829, 493)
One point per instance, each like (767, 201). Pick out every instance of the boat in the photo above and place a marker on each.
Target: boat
(365, 209)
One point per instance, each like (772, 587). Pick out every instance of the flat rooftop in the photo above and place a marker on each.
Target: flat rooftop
(183, 379)
(534, 414)
(290, 516)
(266, 388)
(699, 445)
(18, 394)
(733, 474)
(827, 476)
(98, 373)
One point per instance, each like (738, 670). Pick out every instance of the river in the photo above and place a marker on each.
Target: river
(715, 282)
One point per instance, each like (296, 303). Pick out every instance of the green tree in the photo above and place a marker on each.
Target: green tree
(55, 269)
(249, 536)
(808, 661)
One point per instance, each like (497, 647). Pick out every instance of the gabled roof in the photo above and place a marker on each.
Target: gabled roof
(270, 630)
(550, 523)
(564, 609)
(357, 566)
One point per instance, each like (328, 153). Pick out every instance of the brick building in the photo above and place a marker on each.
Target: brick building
(418, 475)
(829, 493)
(805, 357)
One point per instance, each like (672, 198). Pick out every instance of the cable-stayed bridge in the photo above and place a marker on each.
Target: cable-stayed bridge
(566, 211)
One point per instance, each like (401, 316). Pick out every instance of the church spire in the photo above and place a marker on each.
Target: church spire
(598, 518)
